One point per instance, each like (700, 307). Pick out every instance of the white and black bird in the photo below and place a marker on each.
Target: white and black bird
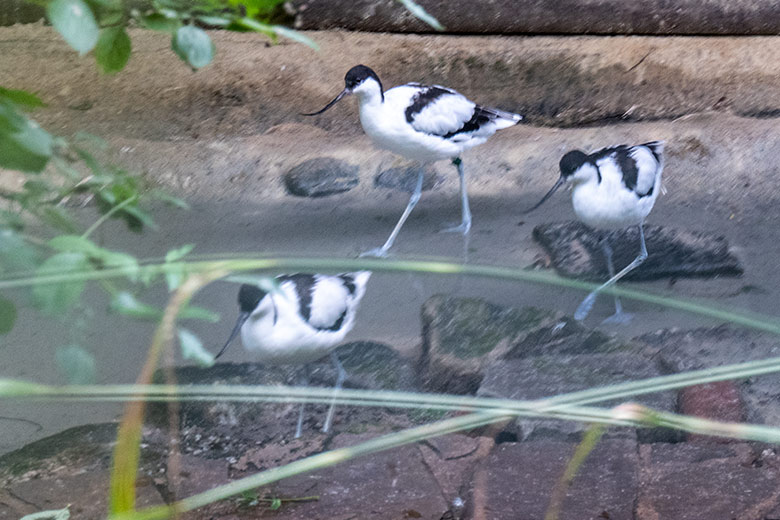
(422, 123)
(300, 322)
(612, 188)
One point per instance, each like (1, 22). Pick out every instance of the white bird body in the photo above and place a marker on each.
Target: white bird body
(600, 197)
(278, 331)
(612, 188)
(426, 137)
(301, 322)
(423, 123)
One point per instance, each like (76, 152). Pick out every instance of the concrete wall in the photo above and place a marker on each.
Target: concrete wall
(549, 16)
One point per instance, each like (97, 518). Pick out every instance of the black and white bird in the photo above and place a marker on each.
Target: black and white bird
(422, 123)
(612, 188)
(300, 322)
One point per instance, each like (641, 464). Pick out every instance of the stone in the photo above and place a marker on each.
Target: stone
(321, 177)
(405, 179)
(700, 481)
(576, 253)
(547, 376)
(224, 428)
(390, 484)
(461, 336)
(538, 16)
(73, 467)
(720, 401)
(376, 366)
(521, 478)
(696, 349)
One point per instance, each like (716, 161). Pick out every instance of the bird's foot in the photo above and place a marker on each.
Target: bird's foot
(585, 307)
(619, 318)
(462, 228)
(377, 252)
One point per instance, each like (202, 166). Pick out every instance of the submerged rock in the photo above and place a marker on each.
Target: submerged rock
(539, 377)
(405, 179)
(576, 252)
(462, 336)
(321, 177)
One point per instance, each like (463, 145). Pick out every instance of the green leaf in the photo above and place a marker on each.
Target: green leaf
(216, 21)
(256, 8)
(113, 49)
(192, 348)
(193, 45)
(125, 303)
(108, 258)
(24, 145)
(422, 14)
(74, 244)
(276, 503)
(266, 283)
(15, 253)
(7, 315)
(75, 21)
(54, 514)
(58, 297)
(76, 365)
(295, 36)
(58, 218)
(160, 22)
(169, 199)
(177, 254)
(22, 97)
(192, 312)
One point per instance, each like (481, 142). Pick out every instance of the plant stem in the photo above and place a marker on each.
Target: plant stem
(108, 214)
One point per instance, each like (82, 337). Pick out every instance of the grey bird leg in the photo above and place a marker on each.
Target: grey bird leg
(382, 251)
(303, 380)
(587, 303)
(465, 224)
(342, 375)
(619, 316)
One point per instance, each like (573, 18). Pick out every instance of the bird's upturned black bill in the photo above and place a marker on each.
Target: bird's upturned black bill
(335, 100)
(547, 196)
(242, 317)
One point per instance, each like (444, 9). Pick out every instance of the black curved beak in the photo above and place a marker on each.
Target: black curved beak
(242, 317)
(335, 100)
(547, 196)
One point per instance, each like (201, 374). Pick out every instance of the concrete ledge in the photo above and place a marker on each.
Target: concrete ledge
(734, 17)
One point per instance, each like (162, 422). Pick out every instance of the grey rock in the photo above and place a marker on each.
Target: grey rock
(575, 252)
(539, 16)
(546, 376)
(225, 427)
(462, 336)
(321, 177)
(405, 179)
(520, 478)
(685, 350)
(73, 467)
(389, 484)
(693, 481)
(376, 366)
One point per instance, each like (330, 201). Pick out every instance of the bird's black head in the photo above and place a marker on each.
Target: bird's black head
(357, 75)
(571, 162)
(249, 297)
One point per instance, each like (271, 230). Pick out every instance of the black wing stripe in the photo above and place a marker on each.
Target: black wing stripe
(653, 146)
(422, 99)
(304, 285)
(628, 168)
(479, 118)
(349, 283)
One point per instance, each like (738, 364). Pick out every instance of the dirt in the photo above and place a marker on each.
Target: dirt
(224, 137)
